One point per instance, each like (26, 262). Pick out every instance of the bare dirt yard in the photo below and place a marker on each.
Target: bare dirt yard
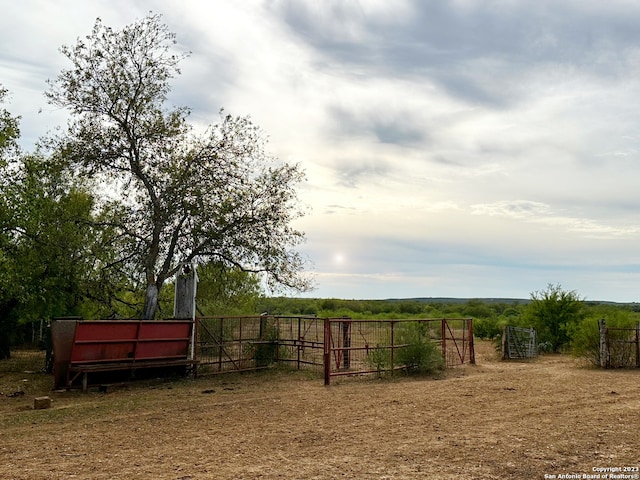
(494, 420)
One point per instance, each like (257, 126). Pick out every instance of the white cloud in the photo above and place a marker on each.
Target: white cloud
(451, 148)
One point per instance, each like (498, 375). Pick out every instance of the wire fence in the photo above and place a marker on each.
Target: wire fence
(247, 343)
(25, 359)
(333, 346)
(360, 347)
(30, 350)
(622, 347)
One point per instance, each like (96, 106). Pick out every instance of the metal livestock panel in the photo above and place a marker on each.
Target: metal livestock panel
(94, 346)
(518, 342)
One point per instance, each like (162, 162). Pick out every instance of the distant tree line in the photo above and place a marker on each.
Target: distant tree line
(564, 321)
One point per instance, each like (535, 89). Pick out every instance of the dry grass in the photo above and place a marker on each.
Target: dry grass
(489, 421)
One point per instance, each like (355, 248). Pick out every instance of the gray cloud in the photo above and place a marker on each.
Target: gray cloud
(385, 126)
(480, 53)
(351, 173)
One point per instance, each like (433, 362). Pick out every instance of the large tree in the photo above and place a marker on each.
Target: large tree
(9, 134)
(180, 196)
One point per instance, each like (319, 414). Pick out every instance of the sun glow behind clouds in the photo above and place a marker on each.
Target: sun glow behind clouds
(441, 159)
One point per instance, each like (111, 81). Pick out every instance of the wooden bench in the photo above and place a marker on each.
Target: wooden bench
(128, 345)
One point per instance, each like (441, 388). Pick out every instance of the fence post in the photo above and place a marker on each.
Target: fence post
(393, 346)
(184, 302)
(605, 361)
(443, 336)
(221, 344)
(299, 342)
(327, 351)
(638, 345)
(472, 351)
(504, 342)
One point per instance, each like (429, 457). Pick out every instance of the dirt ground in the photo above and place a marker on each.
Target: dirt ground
(495, 420)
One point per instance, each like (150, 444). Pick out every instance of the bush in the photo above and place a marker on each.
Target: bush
(421, 355)
(585, 342)
(487, 328)
(554, 313)
(265, 353)
(379, 358)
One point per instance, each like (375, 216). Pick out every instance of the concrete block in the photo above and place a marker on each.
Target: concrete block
(40, 403)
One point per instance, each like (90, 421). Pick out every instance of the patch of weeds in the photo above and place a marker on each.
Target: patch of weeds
(379, 358)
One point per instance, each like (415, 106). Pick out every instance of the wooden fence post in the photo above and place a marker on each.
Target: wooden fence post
(605, 359)
(184, 301)
(504, 342)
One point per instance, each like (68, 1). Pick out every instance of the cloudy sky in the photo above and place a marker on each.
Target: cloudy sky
(452, 148)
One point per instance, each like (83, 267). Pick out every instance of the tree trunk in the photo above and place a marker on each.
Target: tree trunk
(5, 347)
(151, 302)
(7, 325)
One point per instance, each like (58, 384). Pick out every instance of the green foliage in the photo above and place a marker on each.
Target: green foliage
(9, 131)
(496, 314)
(421, 355)
(379, 358)
(585, 337)
(46, 250)
(488, 328)
(477, 309)
(224, 290)
(554, 313)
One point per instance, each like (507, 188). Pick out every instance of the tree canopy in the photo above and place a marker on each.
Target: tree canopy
(46, 242)
(173, 195)
(554, 312)
(9, 129)
(9, 133)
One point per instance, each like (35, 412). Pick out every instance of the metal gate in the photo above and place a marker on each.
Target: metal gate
(247, 343)
(358, 347)
(619, 347)
(457, 341)
(518, 342)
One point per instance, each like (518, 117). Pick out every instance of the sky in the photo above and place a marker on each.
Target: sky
(461, 148)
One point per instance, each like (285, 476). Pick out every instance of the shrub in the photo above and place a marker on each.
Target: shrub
(585, 343)
(554, 313)
(488, 328)
(379, 358)
(421, 354)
